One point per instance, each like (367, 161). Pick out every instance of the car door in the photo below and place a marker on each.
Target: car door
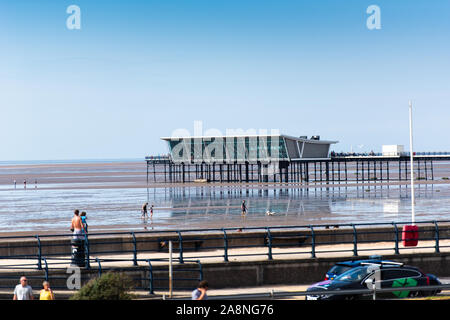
(399, 277)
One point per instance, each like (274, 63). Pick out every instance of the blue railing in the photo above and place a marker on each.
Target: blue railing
(50, 254)
(307, 240)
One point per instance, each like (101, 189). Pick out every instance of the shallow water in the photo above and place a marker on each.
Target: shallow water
(216, 206)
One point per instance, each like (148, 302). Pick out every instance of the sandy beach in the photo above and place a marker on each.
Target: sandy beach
(112, 194)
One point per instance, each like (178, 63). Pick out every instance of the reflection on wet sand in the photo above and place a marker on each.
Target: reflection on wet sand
(216, 207)
(113, 201)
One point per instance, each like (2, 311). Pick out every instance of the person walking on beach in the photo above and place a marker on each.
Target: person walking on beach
(243, 208)
(83, 220)
(77, 226)
(243, 215)
(200, 292)
(23, 291)
(151, 211)
(46, 293)
(144, 210)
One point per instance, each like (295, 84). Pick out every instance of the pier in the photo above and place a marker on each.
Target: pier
(336, 168)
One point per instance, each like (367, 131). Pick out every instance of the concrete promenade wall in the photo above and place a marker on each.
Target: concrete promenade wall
(102, 244)
(234, 274)
(305, 271)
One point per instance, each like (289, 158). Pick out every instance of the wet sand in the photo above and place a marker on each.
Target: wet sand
(112, 194)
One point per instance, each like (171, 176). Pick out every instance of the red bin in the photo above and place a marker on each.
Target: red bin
(410, 235)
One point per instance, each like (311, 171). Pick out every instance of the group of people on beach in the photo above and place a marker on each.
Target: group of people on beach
(144, 211)
(79, 226)
(25, 183)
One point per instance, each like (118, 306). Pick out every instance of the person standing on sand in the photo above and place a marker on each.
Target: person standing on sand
(77, 226)
(144, 210)
(83, 220)
(243, 208)
(243, 215)
(151, 211)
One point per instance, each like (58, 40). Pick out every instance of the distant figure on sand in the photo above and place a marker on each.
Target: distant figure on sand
(144, 210)
(77, 226)
(151, 211)
(243, 214)
(243, 208)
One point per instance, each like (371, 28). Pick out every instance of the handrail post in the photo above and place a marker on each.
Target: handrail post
(39, 252)
(200, 269)
(436, 234)
(269, 243)
(180, 246)
(225, 245)
(45, 269)
(313, 242)
(355, 241)
(134, 249)
(396, 238)
(150, 276)
(99, 267)
(86, 248)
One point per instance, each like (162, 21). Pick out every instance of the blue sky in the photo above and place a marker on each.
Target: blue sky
(139, 70)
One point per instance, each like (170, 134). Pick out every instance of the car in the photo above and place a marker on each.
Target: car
(382, 275)
(341, 267)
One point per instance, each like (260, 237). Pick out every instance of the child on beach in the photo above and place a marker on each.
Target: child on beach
(83, 220)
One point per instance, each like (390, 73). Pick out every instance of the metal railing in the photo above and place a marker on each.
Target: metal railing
(184, 278)
(52, 253)
(225, 243)
(380, 154)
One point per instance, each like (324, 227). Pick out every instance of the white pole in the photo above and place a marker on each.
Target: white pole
(170, 269)
(411, 164)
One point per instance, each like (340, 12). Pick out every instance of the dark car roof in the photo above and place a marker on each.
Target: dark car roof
(357, 262)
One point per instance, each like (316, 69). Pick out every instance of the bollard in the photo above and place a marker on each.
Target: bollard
(78, 252)
(225, 245)
(269, 243)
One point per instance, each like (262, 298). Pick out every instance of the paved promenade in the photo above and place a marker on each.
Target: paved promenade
(252, 254)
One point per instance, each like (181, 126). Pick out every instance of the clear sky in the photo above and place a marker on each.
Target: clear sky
(139, 70)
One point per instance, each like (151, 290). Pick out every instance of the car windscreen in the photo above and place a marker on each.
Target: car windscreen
(339, 269)
(355, 274)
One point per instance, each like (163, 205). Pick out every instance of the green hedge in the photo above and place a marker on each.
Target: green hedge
(110, 286)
